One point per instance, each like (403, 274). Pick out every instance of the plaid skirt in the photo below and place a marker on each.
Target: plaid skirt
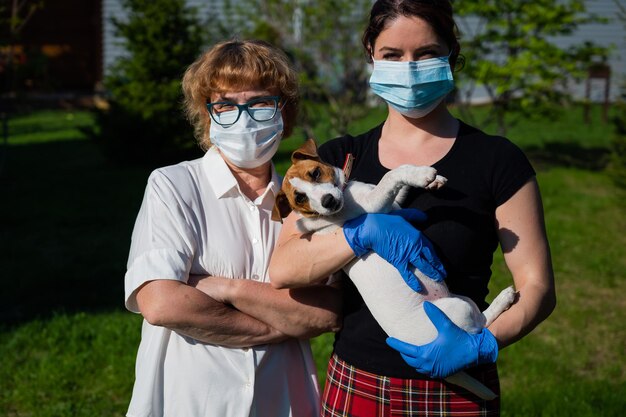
(351, 392)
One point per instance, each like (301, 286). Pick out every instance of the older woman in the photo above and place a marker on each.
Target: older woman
(217, 339)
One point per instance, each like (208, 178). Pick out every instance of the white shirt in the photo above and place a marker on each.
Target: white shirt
(194, 219)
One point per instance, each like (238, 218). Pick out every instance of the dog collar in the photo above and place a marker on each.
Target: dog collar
(347, 168)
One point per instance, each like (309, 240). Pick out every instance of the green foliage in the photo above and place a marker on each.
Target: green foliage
(617, 166)
(512, 53)
(145, 122)
(325, 47)
(13, 18)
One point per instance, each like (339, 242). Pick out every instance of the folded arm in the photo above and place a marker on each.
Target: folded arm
(299, 312)
(180, 307)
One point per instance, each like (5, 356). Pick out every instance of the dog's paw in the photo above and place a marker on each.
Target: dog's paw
(508, 296)
(437, 183)
(417, 176)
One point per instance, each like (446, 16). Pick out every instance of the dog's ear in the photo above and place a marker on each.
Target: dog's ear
(306, 151)
(282, 208)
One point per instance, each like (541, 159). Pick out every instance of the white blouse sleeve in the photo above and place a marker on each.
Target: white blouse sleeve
(163, 240)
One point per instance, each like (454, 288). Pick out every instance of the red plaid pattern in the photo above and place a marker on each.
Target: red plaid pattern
(351, 392)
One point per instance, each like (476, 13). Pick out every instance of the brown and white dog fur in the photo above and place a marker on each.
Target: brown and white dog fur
(321, 195)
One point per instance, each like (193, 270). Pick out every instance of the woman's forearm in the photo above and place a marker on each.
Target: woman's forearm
(188, 311)
(300, 260)
(526, 252)
(299, 312)
(535, 303)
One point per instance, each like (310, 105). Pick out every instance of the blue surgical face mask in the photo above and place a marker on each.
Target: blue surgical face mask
(413, 88)
(247, 143)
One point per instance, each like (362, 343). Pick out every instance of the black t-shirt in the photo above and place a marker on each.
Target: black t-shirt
(483, 172)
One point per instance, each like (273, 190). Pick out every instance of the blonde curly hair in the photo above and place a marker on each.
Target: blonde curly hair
(238, 65)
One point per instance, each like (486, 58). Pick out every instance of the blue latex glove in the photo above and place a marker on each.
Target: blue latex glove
(394, 239)
(453, 350)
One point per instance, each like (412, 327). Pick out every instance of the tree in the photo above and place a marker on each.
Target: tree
(145, 122)
(511, 52)
(617, 163)
(322, 39)
(13, 18)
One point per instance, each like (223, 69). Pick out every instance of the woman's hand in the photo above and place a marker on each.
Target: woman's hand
(453, 350)
(394, 239)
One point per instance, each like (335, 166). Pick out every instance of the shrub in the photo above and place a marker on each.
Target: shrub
(617, 163)
(144, 122)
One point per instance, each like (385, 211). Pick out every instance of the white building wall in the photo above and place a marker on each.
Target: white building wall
(111, 49)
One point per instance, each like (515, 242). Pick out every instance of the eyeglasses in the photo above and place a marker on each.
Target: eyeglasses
(260, 109)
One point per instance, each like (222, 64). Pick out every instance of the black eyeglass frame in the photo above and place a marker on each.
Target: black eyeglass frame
(246, 107)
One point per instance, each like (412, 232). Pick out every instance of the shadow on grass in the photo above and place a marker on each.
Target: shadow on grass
(572, 155)
(66, 221)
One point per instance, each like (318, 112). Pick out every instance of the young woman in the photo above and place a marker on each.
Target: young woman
(491, 198)
(217, 339)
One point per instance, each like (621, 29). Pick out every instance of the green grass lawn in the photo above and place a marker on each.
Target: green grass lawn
(68, 346)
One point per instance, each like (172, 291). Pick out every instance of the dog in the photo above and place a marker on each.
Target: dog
(320, 193)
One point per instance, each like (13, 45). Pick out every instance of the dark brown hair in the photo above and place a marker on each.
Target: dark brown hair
(437, 13)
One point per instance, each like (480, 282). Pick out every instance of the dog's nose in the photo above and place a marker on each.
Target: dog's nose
(329, 202)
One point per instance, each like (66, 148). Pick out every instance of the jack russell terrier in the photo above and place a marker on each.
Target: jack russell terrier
(320, 194)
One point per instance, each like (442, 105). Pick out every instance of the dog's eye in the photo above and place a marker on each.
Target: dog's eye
(315, 174)
(300, 198)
